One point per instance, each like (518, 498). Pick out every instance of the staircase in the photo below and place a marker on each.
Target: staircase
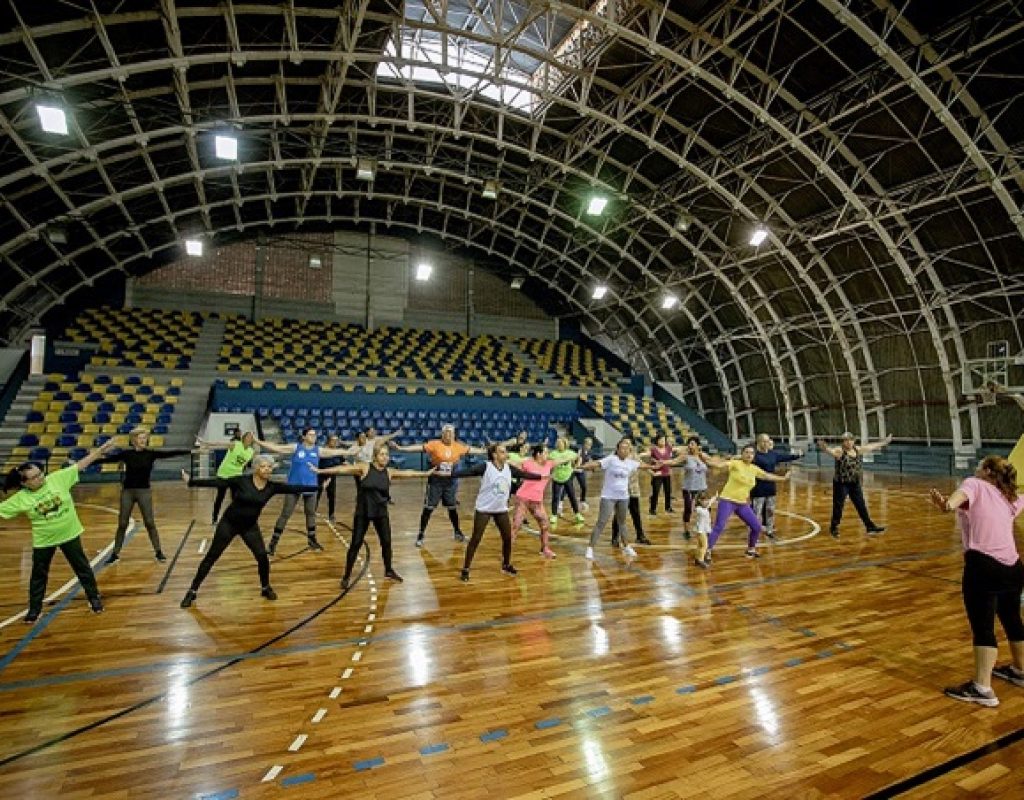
(14, 422)
(547, 378)
(191, 408)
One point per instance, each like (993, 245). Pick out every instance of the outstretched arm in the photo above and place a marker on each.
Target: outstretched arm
(870, 448)
(716, 462)
(835, 452)
(408, 448)
(95, 454)
(331, 452)
(410, 473)
(479, 451)
(170, 453)
(280, 449)
(203, 483)
(954, 501)
(343, 469)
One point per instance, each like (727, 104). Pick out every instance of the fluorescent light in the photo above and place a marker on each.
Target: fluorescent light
(758, 236)
(194, 247)
(490, 191)
(669, 301)
(366, 169)
(597, 205)
(315, 262)
(684, 221)
(423, 271)
(53, 119)
(56, 234)
(517, 282)
(599, 291)
(226, 147)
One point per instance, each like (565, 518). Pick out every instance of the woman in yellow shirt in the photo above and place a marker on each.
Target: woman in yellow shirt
(735, 498)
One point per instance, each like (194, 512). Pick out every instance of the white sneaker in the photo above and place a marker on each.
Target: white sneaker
(628, 551)
(589, 555)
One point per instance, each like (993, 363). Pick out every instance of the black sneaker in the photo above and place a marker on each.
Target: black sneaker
(213, 520)
(1009, 673)
(508, 569)
(770, 535)
(464, 576)
(268, 592)
(96, 604)
(970, 693)
(643, 540)
(314, 545)
(834, 533)
(391, 575)
(458, 536)
(188, 599)
(752, 553)
(874, 530)
(419, 540)
(31, 617)
(702, 564)
(345, 583)
(159, 556)
(670, 511)
(687, 535)
(707, 557)
(615, 541)
(113, 558)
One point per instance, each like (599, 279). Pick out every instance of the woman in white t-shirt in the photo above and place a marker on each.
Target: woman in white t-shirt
(496, 476)
(615, 492)
(993, 577)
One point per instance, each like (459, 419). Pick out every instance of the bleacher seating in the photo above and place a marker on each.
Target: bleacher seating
(642, 417)
(333, 349)
(138, 338)
(72, 415)
(572, 363)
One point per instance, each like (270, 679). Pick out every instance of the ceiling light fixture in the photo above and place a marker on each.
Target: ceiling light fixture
(226, 147)
(52, 119)
(366, 169)
(600, 291)
(194, 247)
(597, 205)
(423, 271)
(759, 235)
(491, 189)
(669, 302)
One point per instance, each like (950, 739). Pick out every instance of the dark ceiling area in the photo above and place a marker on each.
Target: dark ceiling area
(878, 144)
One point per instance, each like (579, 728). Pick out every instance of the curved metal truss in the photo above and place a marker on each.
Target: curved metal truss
(879, 144)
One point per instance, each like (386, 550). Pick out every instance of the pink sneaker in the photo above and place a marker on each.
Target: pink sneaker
(547, 552)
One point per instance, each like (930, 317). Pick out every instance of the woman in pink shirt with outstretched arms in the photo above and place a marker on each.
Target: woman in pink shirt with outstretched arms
(530, 496)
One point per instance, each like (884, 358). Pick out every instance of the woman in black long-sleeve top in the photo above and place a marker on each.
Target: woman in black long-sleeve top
(138, 463)
(374, 480)
(249, 495)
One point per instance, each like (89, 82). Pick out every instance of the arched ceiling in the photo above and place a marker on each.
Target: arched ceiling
(879, 142)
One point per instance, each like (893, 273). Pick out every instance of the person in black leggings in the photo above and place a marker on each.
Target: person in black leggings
(138, 463)
(249, 495)
(372, 501)
(329, 482)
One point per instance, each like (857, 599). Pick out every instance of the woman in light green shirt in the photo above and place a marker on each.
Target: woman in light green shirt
(46, 501)
(240, 451)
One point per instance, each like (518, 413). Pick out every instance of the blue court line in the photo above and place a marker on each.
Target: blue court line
(721, 680)
(295, 780)
(794, 662)
(369, 763)
(431, 749)
(544, 724)
(689, 689)
(227, 794)
(642, 701)
(493, 736)
(602, 711)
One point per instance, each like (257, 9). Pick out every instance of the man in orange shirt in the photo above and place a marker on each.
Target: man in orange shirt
(444, 454)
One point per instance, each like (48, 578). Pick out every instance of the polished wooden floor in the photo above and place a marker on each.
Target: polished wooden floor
(816, 671)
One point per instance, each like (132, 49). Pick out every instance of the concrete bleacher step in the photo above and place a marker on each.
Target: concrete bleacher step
(13, 425)
(547, 378)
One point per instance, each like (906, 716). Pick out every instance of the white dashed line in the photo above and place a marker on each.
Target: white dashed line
(272, 773)
(335, 692)
(202, 547)
(372, 617)
(299, 741)
(346, 674)
(357, 655)
(319, 715)
(368, 629)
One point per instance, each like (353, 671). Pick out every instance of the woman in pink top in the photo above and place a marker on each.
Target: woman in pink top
(530, 496)
(661, 477)
(993, 574)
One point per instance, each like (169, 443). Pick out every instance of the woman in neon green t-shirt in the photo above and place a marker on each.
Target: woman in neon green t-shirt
(240, 451)
(46, 501)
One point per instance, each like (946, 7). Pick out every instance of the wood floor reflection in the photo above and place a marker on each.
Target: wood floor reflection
(816, 671)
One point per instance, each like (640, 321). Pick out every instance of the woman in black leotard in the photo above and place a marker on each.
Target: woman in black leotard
(249, 495)
(372, 505)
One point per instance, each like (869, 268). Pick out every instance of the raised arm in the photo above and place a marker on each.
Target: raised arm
(331, 452)
(408, 448)
(203, 483)
(771, 476)
(954, 501)
(280, 449)
(995, 388)
(871, 448)
(835, 452)
(479, 451)
(95, 454)
(523, 475)
(716, 462)
(474, 471)
(170, 453)
(202, 444)
(410, 473)
(343, 469)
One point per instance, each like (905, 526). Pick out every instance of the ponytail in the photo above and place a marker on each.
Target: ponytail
(15, 479)
(1003, 476)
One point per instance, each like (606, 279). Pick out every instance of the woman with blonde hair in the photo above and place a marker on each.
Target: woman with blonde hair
(993, 575)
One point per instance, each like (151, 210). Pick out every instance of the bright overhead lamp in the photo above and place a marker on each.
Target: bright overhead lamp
(52, 119)
(759, 235)
(517, 282)
(57, 234)
(600, 291)
(490, 191)
(315, 262)
(423, 271)
(684, 221)
(226, 147)
(194, 247)
(597, 205)
(669, 301)
(366, 169)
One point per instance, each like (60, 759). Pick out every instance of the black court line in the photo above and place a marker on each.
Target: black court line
(208, 674)
(946, 767)
(174, 560)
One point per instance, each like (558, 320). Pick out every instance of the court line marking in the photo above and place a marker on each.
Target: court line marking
(174, 558)
(100, 557)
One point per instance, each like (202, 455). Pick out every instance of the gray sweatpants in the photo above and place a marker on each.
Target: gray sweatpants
(764, 509)
(620, 508)
(308, 505)
(143, 498)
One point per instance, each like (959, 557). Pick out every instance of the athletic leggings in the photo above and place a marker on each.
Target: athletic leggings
(222, 537)
(657, 483)
(330, 484)
(360, 525)
(560, 489)
(129, 499)
(536, 510)
(726, 508)
(764, 509)
(79, 561)
(480, 520)
(840, 491)
(218, 501)
(288, 506)
(453, 517)
(609, 507)
(990, 588)
(581, 480)
(690, 496)
(634, 515)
